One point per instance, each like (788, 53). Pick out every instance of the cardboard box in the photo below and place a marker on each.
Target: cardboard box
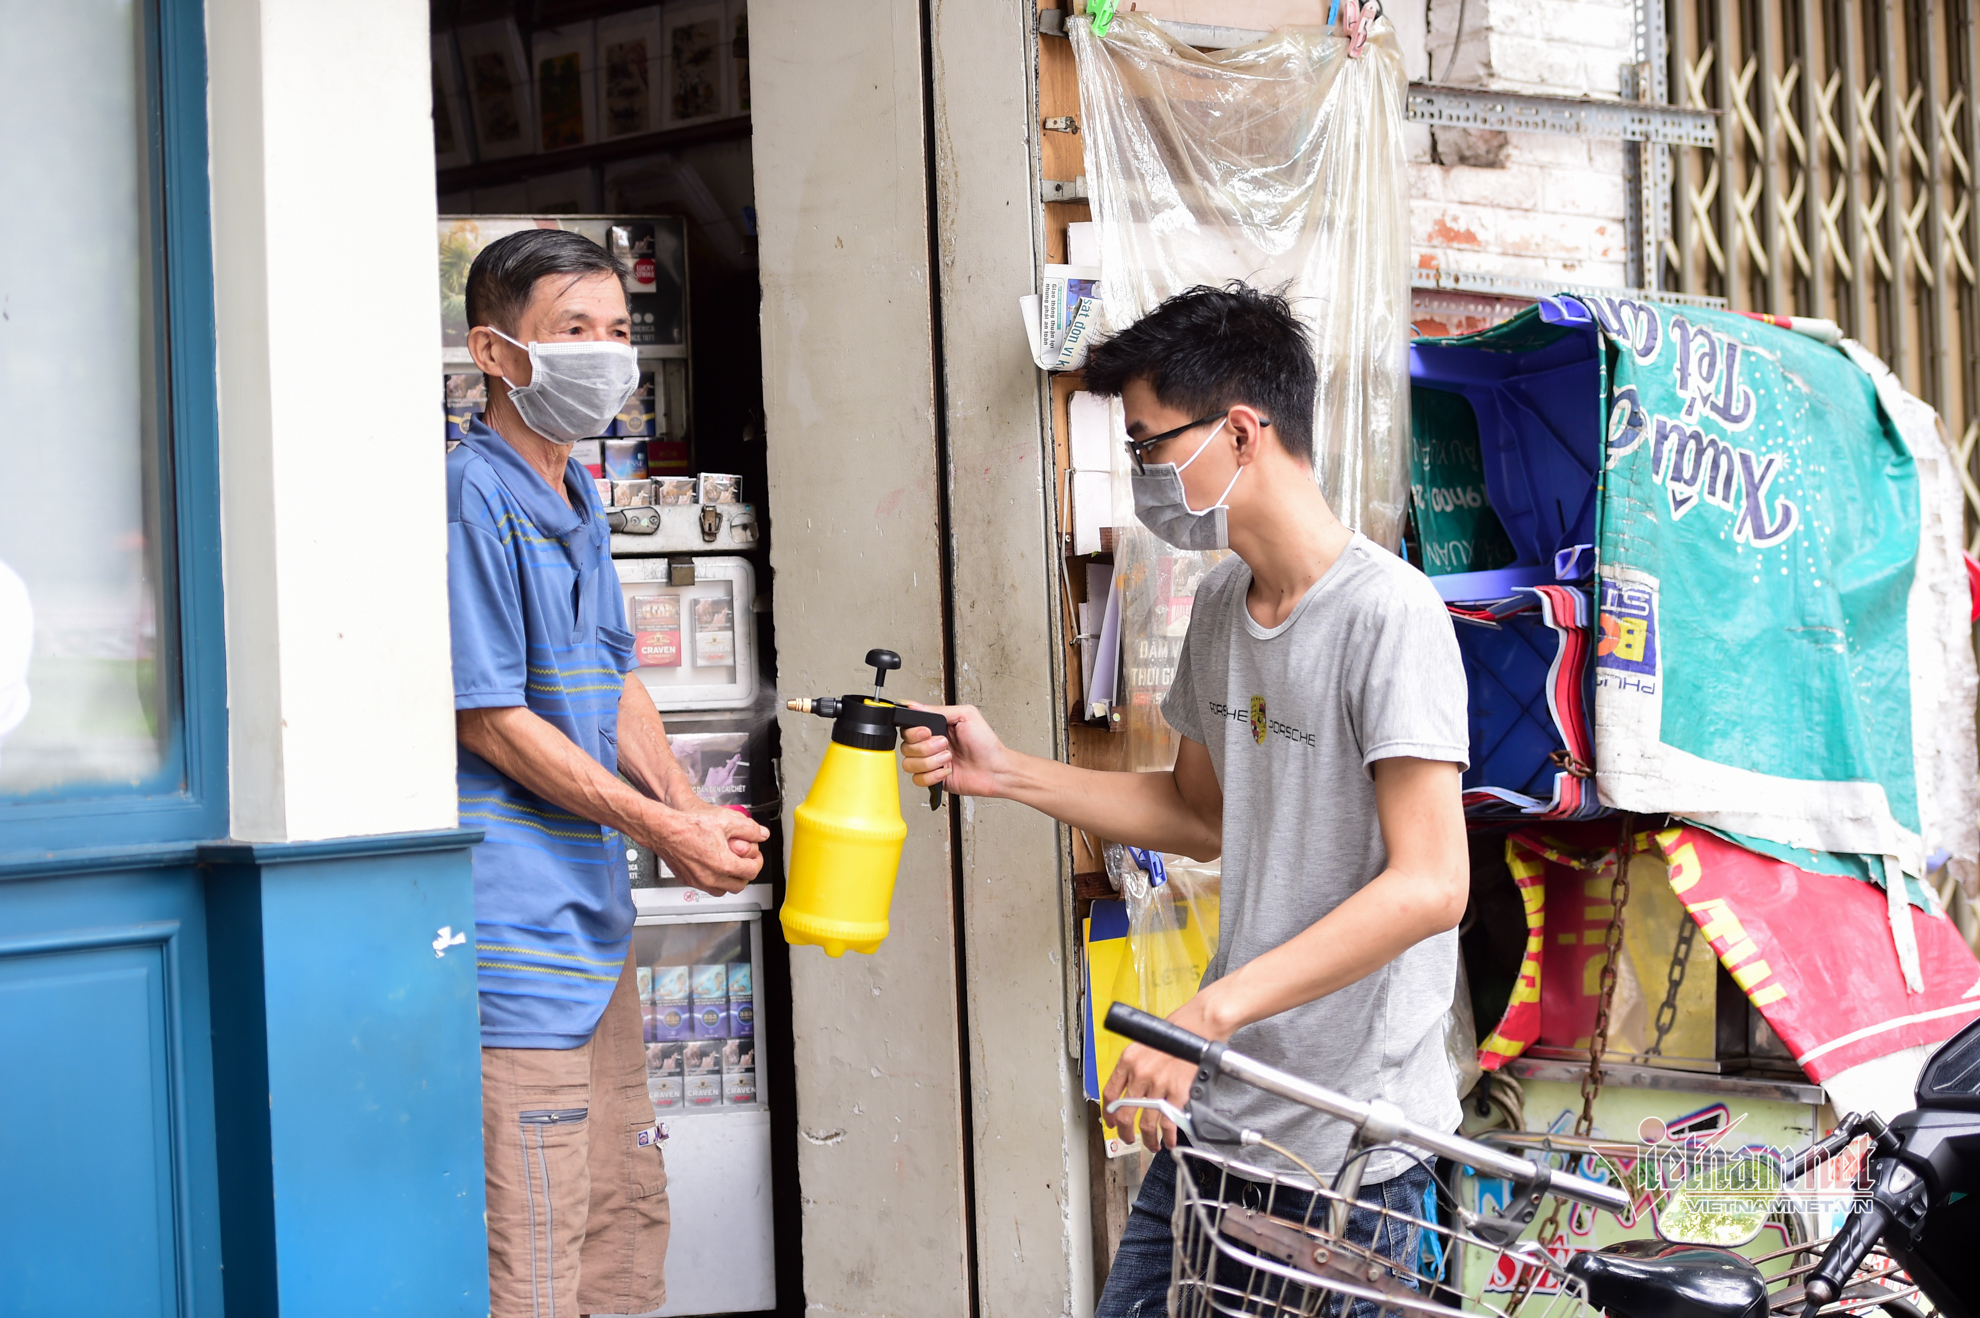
(632, 494)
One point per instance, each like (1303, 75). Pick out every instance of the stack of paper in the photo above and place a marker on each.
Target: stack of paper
(1090, 475)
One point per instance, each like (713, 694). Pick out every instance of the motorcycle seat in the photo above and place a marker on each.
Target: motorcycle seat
(1655, 1279)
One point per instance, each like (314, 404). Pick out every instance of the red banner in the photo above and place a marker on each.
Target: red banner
(1813, 952)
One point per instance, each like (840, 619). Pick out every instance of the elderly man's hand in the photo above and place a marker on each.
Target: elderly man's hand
(710, 847)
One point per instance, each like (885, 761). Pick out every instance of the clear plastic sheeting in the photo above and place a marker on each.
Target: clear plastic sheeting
(1281, 164)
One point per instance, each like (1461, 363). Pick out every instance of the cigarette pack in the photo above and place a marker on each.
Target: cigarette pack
(671, 1022)
(701, 1066)
(715, 649)
(671, 1011)
(742, 1000)
(717, 488)
(674, 491)
(604, 488)
(739, 1071)
(643, 976)
(717, 763)
(625, 459)
(590, 454)
(656, 621)
(664, 1081)
(632, 494)
(666, 1095)
(670, 984)
(649, 1028)
(711, 1001)
(709, 982)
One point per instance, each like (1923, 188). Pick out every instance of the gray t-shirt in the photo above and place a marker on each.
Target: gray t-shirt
(1365, 668)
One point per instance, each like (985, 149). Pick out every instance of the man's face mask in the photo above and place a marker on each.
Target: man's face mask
(574, 389)
(1163, 508)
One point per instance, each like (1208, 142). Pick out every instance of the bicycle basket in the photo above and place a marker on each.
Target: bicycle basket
(1251, 1242)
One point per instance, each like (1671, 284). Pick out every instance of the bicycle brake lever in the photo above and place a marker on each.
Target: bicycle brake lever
(1180, 1120)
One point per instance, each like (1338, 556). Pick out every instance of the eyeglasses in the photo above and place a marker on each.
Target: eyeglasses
(1138, 448)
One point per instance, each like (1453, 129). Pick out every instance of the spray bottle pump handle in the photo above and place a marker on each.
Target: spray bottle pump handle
(882, 662)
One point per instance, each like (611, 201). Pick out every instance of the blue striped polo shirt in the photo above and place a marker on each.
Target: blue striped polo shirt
(538, 621)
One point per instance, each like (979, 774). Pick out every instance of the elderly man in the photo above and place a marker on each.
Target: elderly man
(548, 717)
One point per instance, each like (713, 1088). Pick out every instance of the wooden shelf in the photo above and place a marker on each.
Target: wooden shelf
(493, 173)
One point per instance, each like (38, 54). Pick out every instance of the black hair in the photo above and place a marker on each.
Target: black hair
(1211, 348)
(505, 274)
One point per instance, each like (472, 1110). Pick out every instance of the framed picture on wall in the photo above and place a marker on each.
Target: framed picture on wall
(697, 62)
(453, 137)
(629, 74)
(566, 111)
(498, 88)
(738, 57)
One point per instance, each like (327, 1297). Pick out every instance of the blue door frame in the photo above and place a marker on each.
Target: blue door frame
(211, 1052)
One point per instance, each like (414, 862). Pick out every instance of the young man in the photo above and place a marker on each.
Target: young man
(548, 715)
(1321, 705)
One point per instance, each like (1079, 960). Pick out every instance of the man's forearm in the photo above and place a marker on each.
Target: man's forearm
(526, 748)
(644, 754)
(1139, 809)
(1392, 914)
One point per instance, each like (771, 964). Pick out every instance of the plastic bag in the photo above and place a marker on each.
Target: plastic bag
(1172, 929)
(1279, 163)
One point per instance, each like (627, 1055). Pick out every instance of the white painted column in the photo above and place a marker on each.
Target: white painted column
(333, 515)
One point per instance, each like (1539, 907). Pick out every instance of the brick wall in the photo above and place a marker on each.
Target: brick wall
(1528, 205)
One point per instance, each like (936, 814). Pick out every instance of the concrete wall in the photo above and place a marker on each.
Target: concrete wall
(848, 342)
(1523, 205)
(334, 525)
(1033, 1243)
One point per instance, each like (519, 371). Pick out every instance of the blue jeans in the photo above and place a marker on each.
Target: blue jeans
(1138, 1283)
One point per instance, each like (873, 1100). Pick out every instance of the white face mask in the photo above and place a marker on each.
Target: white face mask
(1164, 509)
(574, 389)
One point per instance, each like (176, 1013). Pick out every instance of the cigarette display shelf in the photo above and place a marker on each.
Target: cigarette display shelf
(737, 531)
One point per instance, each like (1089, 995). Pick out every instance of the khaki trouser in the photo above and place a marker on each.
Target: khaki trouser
(577, 1189)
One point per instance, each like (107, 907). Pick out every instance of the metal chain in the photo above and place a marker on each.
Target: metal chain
(1680, 961)
(1598, 1043)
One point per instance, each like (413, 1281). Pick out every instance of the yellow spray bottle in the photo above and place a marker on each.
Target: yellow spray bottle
(846, 844)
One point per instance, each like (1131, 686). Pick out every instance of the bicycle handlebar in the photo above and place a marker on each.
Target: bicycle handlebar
(1382, 1122)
